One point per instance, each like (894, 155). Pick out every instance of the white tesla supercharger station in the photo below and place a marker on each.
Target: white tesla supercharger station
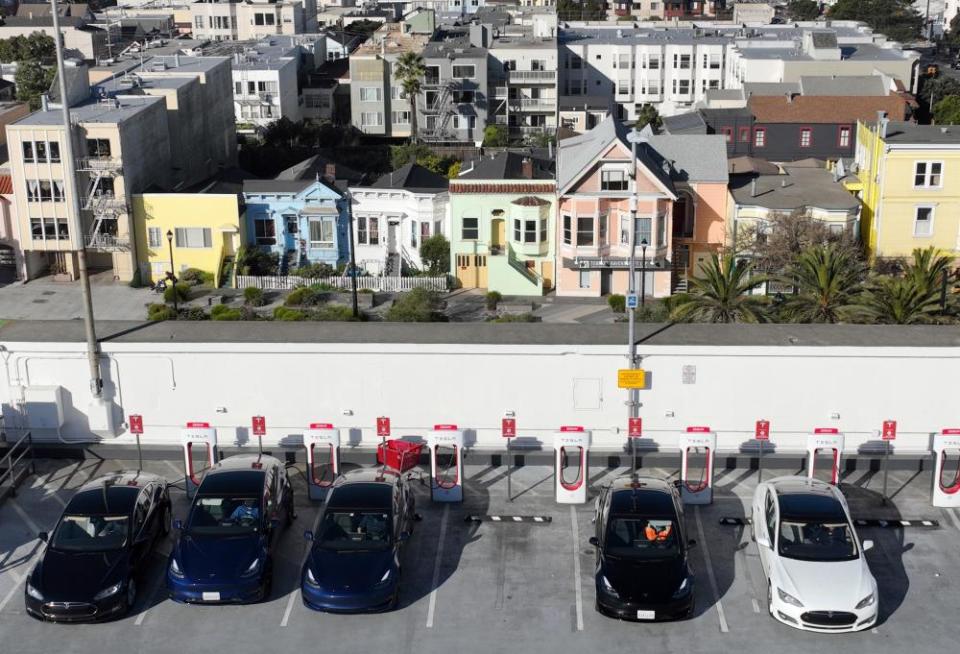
(446, 463)
(322, 442)
(696, 487)
(197, 435)
(571, 453)
(825, 439)
(946, 475)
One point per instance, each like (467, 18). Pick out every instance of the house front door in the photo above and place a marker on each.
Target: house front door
(392, 228)
(499, 234)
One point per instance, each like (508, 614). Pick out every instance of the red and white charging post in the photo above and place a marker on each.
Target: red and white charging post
(383, 431)
(634, 431)
(762, 434)
(259, 428)
(888, 434)
(136, 428)
(508, 429)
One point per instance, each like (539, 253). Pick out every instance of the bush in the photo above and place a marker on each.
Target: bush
(136, 281)
(301, 297)
(517, 317)
(493, 298)
(182, 290)
(251, 261)
(435, 254)
(223, 312)
(314, 270)
(419, 305)
(286, 314)
(335, 313)
(192, 313)
(654, 311)
(617, 302)
(195, 277)
(495, 136)
(158, 312)
(253, 296)
(323, 287)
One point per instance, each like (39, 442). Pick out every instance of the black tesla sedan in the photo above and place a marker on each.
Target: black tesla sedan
(642, 568)
(95, 553)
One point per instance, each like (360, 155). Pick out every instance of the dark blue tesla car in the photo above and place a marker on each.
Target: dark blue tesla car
(225, 550)
(354, 562)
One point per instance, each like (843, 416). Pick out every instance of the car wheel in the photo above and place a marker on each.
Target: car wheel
(165, 520)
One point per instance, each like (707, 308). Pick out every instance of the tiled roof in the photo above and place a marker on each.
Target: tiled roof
(6, 185)
(825, 109)
(514, 187)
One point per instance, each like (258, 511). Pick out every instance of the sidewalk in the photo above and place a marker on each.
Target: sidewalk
(47, 300)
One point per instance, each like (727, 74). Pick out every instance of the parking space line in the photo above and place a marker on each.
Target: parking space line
(26, 518)
(953, 517)
(293, 594)
(756, 605)
(710, 574)
(154, 589)
(432, 606)
(575, 528)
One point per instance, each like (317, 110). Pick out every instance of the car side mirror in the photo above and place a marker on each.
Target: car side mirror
(404, 536)
(44, 536)
(692, 542)
(308, 535)
(594, 541)
(178, 524)
(867, 545)
(763, 541)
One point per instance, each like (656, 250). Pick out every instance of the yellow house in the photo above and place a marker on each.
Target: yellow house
(908, 179)
(204, 229)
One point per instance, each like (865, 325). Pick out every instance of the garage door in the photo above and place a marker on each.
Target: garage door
(8, 265)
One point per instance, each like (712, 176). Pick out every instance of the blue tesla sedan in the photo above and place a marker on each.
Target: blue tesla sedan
(354, 560)
(225, 550)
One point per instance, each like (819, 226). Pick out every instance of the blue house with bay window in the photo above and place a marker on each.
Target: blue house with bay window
(304, 221)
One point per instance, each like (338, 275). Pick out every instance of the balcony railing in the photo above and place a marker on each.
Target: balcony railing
(107, 242)
(106, 164)
(533, 104)
(535, 76)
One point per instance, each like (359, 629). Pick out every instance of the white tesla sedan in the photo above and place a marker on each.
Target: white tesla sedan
(817, 575)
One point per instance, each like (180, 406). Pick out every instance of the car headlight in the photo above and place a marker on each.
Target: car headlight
(608, 587)
(684, 588)
(33, 592)
(252, 569)
(386, 576)
(107, 592)
(311, 579)
(789, 599)
(866, 601)
(175, 569)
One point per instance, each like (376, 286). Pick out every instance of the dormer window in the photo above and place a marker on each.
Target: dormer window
(613, 180)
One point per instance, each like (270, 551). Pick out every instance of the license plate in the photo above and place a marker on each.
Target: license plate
(211, 597)
(646, 615)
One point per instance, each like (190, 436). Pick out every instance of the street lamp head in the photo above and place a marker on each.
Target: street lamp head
(169, 235)
(643, 242)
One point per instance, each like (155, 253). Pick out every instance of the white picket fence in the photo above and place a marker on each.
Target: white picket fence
(378, 284)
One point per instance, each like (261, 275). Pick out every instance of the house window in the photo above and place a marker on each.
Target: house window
(28, 151)
(543, 230)
(923, 221)
(98, 147)
(529, 231)
(370, 94)
(424, 231)
(321, 234)
(371, 119)
(464, 71)
(567, 230)
(264, 230)
(401, 117)
(584, 279)
(193, 237)
(413, 233)
(584, 230)
(154, 237)
(643, 230)
(653, 63)
(843, 136)
(613, 180)
(715, 61)
(681, 87)
(471, 229)
(759, 137)
(575, 61)
(374, 230)
(623, 61)
(463, 97)
(290, 223)
(684, 61)
(362, 230)
(806, 137)
(927, 174)
(743, 134)
(727, 134)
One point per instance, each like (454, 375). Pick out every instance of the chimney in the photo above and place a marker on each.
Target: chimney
(330, 172)
(526, 168)
(882, 123)
(753, 187)
(45, 101)
(176, 60)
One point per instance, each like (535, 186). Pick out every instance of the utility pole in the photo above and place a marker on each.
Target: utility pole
(353, 256)
(76, 227)
(633, 403)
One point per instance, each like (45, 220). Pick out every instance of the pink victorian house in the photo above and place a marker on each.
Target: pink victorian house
(681, 208)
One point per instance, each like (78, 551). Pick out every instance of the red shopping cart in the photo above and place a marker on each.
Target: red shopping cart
(399, 454)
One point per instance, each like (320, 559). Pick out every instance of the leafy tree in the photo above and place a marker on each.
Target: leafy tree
(580, 10)
(37, 47)
(900, 301)
(803, 10)
(947, 111)
(937, 88)
(648, 115)
(828, 281)
(454, 170)
(419, 305)
(401, 155)
(496, 136)
(363, 27)
(435, 254)
(409, 70)
(32, 80)
(895, 18)
(723, 293)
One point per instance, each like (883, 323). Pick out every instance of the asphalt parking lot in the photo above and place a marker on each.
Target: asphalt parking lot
(505, 586)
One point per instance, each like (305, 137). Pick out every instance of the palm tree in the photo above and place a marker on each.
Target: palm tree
(722, 293)
(828, 279)
(410, 70)
(900, 301)
(928, 268)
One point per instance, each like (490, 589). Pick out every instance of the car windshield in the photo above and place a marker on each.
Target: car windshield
(90, 533)
(813, 540)
(642, 538)
(354, 530)
(224, 516)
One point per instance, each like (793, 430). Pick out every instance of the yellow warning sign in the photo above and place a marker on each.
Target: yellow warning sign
(628, 378)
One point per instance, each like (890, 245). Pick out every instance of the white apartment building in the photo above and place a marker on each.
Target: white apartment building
(233, 20)
(673, 67)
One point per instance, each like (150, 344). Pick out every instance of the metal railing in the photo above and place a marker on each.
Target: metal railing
(533, 104)
(13, 468)
(101, 163)
(532, 76)
(107, 242)
(381, 284)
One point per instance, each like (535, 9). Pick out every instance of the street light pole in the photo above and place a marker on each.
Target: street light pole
(632, 403)
(173, 276)
(353, 255)
(76, 224)
(643, 272)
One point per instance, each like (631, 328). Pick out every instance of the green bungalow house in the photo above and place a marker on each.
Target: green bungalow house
(502, 231)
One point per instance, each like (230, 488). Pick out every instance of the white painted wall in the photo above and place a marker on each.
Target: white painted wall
(796, 388)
